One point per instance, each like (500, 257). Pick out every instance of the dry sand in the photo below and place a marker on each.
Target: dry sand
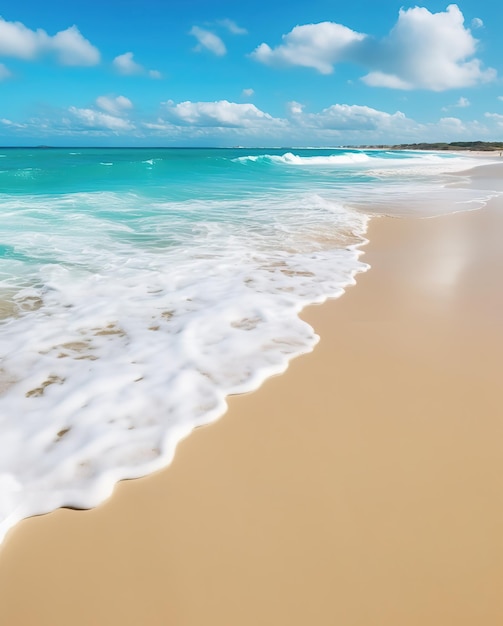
(362, 488)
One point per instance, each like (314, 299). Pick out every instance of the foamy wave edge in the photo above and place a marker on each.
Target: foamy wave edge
(99, 487)
(293, 159)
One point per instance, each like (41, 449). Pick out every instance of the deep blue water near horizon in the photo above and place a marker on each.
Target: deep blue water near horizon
(139, 287)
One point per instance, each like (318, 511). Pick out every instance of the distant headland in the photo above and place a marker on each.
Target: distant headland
(486, 146)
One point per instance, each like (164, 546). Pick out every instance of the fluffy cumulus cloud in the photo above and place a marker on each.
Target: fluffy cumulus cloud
(126, 65)
(222, 114)
(114, 106)
(91, 119)
(318, 46)
(354, 117)
(208, 41)
(462, 102)
(295, 108)
(73, 49)
(20, 42)
(356, 124)
(424, 50)
(69, 46)
(452, 124)
(335, 124)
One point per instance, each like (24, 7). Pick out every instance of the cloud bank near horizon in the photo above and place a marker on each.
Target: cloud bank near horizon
(227, 123)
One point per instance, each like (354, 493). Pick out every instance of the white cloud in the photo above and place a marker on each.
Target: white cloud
(500, 97)
(18, 41)
(96, 120)
(381, 79)
(424, 50)
(462, 102)
(70, 47)
(247, 93)
(346, 117)
(4, 72)
(158, 125)
(126, 65)
(114, 106)
(218, 114)
(477, 23)
(295, 108)
(11, 124)
(73, 49)
(232, 27)
(319, 46)
(209, 41)
(452, 124)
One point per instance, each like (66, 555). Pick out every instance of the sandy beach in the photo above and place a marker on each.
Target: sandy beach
(364, 487)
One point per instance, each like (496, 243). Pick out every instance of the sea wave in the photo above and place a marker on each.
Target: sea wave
(130, 327)
(293, 159)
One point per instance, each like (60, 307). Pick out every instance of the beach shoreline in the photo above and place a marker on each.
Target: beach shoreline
(363, 486)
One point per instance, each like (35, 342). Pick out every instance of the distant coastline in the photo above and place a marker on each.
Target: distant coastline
(486, 146)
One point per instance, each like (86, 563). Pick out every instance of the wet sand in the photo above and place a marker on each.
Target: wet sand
(364, 487)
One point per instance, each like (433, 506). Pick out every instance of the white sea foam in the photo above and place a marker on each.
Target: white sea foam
(293, 159)
(376, 164)
(129, 346)
(347, 158)
(408, 182)
(422, 166)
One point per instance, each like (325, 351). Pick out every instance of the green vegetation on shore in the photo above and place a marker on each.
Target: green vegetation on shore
(487, 146)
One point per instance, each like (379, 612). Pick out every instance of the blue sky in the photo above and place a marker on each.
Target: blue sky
(225, 73)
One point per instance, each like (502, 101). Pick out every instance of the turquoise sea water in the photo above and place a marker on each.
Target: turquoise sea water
(140, 287)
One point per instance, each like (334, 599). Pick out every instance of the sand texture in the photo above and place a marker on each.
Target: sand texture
(362, 488)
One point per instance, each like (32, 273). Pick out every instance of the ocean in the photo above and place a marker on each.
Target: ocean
(141, 287)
